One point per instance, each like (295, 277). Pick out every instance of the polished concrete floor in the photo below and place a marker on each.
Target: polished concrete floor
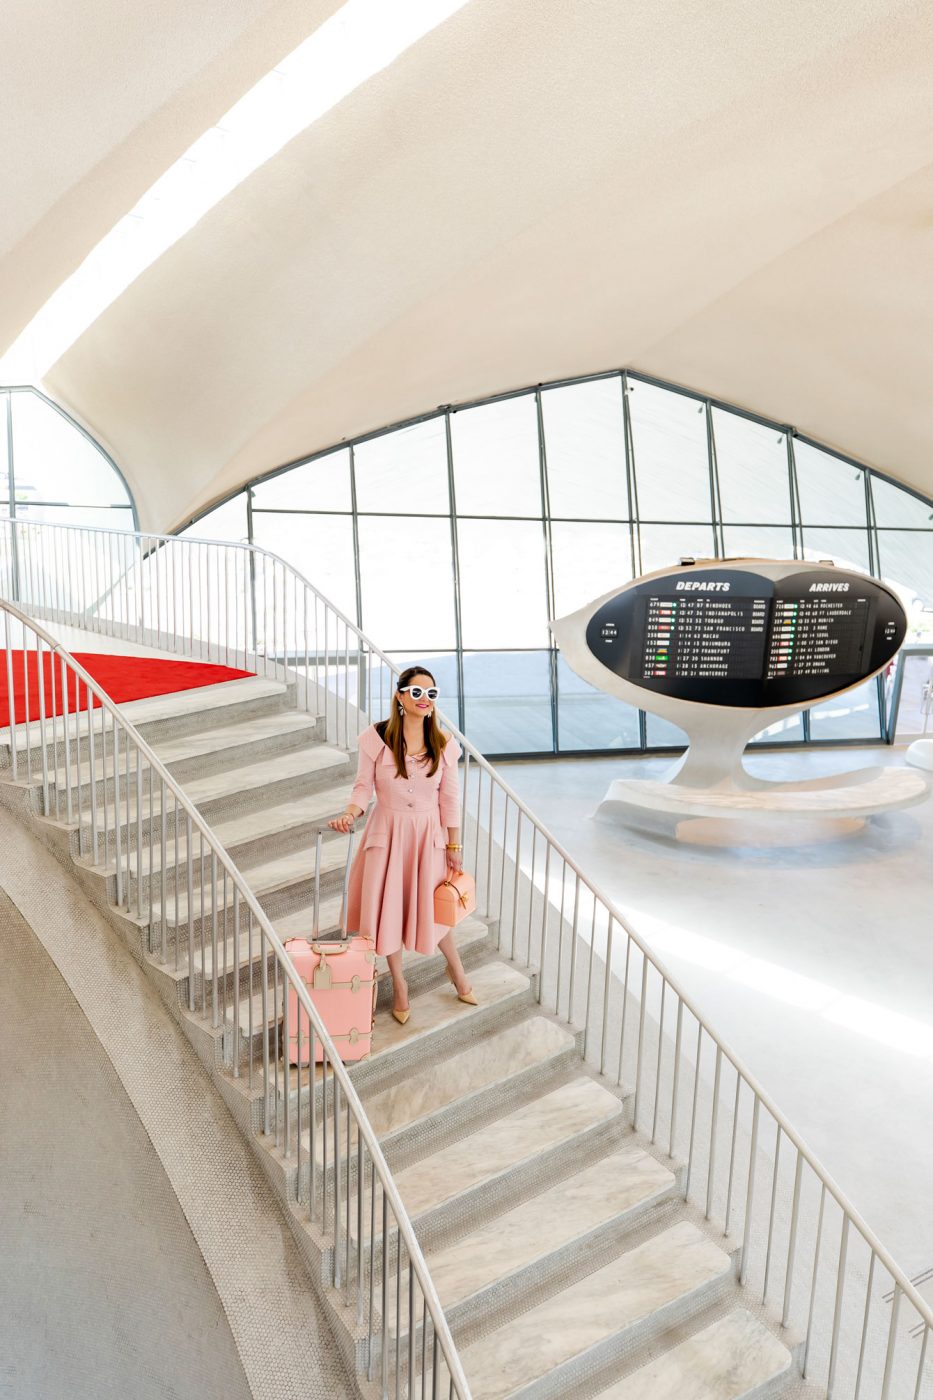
(103, 1289)
(813, 963)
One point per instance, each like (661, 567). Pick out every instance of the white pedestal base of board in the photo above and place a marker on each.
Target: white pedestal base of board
(741, 810)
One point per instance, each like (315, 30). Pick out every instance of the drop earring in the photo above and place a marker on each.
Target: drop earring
(401, 708)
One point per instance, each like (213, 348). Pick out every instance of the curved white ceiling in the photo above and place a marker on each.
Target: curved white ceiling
(97, 100)
(735, 197)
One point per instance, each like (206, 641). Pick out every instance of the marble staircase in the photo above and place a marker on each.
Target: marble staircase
(559, 1242)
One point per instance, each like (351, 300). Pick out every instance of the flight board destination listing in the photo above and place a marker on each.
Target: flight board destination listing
(818, 636)
(704, 637)
(752, 638)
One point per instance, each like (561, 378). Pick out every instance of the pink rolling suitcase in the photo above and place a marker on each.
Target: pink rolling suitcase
(341, 981)
(340, 975)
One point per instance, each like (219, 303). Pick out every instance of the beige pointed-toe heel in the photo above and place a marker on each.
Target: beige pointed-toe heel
(401, 1016)
(468, 997)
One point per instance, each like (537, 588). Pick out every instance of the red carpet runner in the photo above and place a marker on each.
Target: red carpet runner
(122, 677)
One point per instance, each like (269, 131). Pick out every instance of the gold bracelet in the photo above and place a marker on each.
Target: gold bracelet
(454, 847)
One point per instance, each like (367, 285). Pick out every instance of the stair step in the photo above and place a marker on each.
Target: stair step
(486, 1068)
(321, 763)
(232, 791)
(278, 732)
(732, 1359)
(244, 836)
(272, 877)
(329, 922)
(620, 1184)
(419, 970)
(490, 1061)
(207, 706)
(554, 1120)
(283, 818)
(206, 748)
(575, 1325)
(436, 1011)
(214, 701)
(495, 984)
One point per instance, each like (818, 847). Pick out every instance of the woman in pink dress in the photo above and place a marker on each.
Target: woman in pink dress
(405, 852)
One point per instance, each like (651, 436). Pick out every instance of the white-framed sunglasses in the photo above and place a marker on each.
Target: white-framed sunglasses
(416, 691)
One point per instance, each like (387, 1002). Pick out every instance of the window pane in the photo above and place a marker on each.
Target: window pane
(852, 715)
(588, 718)
(503, 597)
(752, 464)
(53, 461)
(224, 522)
(758, 542)
(671, 459)
(662, 734)
(663, 545)
(589, 560)
(443, 667)
(404, 471)
(507, 701)
(496, 467)
(584, 437)
(75, 566)
(782, 731)
(846, 548)
(915, 711)
(896, 507)
(323, 484)
(320, 547)
(907, 565)
(832, 492)
(406, 582)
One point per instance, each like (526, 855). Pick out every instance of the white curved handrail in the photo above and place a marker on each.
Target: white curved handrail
(46, 642)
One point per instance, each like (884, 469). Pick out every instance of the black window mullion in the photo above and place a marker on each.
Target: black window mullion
(548, 570)
(719, 541)
(794, 495)
(630, 479)
(356, 541)
(14, 560)
(455, 563)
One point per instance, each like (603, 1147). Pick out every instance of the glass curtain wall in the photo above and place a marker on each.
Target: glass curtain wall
(50, 469)
(454, 539)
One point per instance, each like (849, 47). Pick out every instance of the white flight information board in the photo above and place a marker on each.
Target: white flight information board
(734, 637)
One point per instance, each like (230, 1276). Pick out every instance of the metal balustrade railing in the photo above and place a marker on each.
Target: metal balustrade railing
(93, 771)
(804, 1252)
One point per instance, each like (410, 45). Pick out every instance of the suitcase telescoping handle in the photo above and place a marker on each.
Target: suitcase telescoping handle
(346, 885)
(318, 856)
(318, 853)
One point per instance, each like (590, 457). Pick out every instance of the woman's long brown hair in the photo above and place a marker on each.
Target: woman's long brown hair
(392, 733)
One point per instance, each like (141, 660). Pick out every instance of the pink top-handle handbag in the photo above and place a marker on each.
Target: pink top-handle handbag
(454, 899)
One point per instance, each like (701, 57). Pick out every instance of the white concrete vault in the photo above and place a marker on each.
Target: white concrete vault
(96, 101)
(732, 197)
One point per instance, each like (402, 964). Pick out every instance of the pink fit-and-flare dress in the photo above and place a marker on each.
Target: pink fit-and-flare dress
(401, 859)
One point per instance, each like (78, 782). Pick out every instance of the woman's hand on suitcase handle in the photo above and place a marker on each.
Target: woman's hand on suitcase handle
(344, 822)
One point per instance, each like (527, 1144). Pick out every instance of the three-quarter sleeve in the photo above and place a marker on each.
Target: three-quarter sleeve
(365, 771)
(449, 791)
